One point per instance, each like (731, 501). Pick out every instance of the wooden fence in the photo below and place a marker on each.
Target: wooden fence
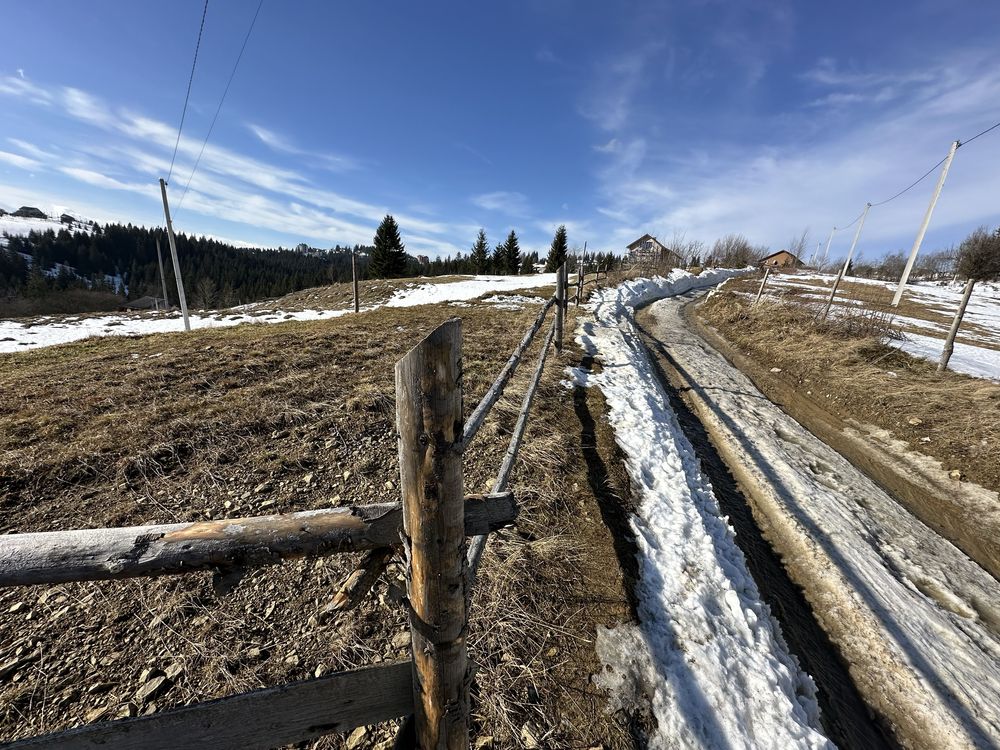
(431, 524)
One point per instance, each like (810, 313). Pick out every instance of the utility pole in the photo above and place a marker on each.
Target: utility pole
(354, 276)
(173, 256)
(923, 226)
(847, 263)
(826, 252)
(163, 279)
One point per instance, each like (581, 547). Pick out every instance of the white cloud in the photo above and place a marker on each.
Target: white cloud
(504, 201)
(611, 147)
(20, 73)
(283, 145)
(103, 181)
(13, 86)
(32, 150)
(21, 162)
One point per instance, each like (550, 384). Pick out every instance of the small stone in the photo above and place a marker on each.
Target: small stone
(262, 487)
(99, 687)
(775, 369)
(175, 670)
(356, 738)
(319, 671)
(957, 475)
(335, 500)
(95, 714)
(389, 485)
(292, 660)
(15, 608)
(149, 673)
(127, 711)
(307, 479)
(483, 743)
(915, 421)
(152, 689)
(401, 640)
(529, 736)
(346, 475)
(552, 651)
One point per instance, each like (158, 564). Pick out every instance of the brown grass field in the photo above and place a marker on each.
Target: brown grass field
(261, 419)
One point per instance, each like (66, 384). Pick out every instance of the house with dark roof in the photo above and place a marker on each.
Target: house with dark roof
(648, 249)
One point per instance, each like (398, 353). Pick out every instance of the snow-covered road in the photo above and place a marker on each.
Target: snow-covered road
(706, 654)
(915, 618)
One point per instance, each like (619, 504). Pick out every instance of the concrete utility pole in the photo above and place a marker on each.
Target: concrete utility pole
(847, 262)
(163, 279)
(173, 256)
(826, 252)
(923, 226)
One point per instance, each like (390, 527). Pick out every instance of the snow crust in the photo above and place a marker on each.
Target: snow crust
(49, 330)
(706, 653)
(917, 620)
(981, 324)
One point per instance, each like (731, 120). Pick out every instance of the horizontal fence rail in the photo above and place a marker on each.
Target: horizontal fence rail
(170, 549)
(257, 720)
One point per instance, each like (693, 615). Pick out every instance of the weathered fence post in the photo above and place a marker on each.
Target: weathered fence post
(560, 304)
(354, 278)
(763, 284)
(429, 422)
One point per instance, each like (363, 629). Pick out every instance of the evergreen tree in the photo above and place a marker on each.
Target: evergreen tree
(498, 259)
(388, 258)
(511, 256)
(557, 252)
(479, 256)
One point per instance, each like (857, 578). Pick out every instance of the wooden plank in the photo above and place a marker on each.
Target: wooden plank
(475, 420)
(239, 543)
(429, 423)
(263, 719)
(561, 277)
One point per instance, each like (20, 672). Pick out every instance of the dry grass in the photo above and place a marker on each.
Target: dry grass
(845, 364)
(264, 419)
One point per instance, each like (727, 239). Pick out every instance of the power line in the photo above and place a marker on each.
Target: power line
(219, 108)
(912, 185)
(992, 127)
(187, 96)
(856, 219)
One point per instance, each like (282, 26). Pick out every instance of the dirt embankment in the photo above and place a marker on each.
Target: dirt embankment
(931, 440)
(269, 419)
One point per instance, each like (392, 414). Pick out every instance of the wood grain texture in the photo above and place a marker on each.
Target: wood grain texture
(239, 543)
(262, 719)
(429, 422)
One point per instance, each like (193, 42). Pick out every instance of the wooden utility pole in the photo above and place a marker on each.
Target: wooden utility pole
(949, 343)
(560, 304)
(763, 283)
(429, 424)
(924, 224)
(173, 256)
(847, 262)
(579, 274)
(163, 279)
(354, 276)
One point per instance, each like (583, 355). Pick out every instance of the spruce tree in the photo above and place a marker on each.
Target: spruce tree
(511, 254)
(479, 256)
(498, 260)
(557, 252)
(388, 258)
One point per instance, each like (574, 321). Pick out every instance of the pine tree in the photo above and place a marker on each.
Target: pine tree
(388, 258)
(557, 252)
(479, 256)
(511, 254)
(498, 259)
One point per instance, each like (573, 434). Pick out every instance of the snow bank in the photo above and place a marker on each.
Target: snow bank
(706, 654)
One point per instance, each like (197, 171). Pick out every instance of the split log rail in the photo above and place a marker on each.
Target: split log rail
(432, 523)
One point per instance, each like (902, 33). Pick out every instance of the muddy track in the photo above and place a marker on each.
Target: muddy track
(846, 718)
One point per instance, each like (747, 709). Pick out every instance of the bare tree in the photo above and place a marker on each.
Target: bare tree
(735, 251)
(978, 260)
(797, 245)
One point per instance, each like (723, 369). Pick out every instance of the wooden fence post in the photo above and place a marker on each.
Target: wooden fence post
(763, 284)
(354, 278)
(560, 304)
(429, 422)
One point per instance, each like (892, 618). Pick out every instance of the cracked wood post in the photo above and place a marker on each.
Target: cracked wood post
(560, 304)
(763, 284)
(429, 422)
(354, 278)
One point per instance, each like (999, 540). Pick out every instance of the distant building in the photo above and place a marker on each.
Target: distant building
(648, 249)
(29, 212)
(781, 259)
(423, 260)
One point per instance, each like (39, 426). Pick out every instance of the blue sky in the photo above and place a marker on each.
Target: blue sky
(697, 118)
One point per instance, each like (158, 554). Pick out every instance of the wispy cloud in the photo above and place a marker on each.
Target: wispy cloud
(508, 202)
(284, 145)
(21, 162)
(229, 185)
